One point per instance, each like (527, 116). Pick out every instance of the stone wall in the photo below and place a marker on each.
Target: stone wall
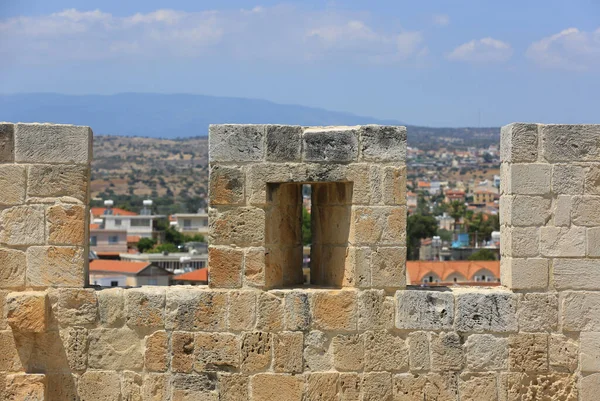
(257, 333)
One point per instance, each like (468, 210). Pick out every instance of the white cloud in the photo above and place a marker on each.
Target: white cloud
(570, 49)
(486, 50)
(441, 19)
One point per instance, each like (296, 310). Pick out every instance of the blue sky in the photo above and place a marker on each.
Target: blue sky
(438, 63)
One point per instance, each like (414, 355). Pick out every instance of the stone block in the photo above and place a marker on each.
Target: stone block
(216, 351)
(27, 312)
(268, 387)
(194, 310)
(524, 274)
(3, 322)
(538, 312)
(288, 348)
(226, 186)
(529, 210)
(115, 349)
(578, 311)
(334, 310)
(486, 352)
(233, 387)
(15, 351)
(567, 179)
(330, 144)
(432, 386)
(13, 180)
(182, 351)
(385, 351)
(7, 143)
(590, 351)
(259, 174)
(156, 387)
(446, 352)
(593, 242)
(318, 354)
(61, 386)
(521, 242)
(242, 310)
(590, 387)
(358, 266)
(418, 351)
(492, 311)
(74, 341)
(66, 225)
(394, 185)
(240, 226)
(562, 211)
(297, 311)
(131, 386)
(529, 179)
(592, 180)
(388, 267)
(576, 274)
(58, 181)
(77, 307)
(349, 385)
(528, 352)
(254, 267)
(584, 211)
(269, 312)
(236, 143)
(52, 143)
(375, 310)
(366, 184)
(531, 386)
(348, 352)
(562, 241)
(55, 266)
(563, 353)
(376, 386)
(519, 143)
(12, 268)
(424, 310)
(255, 351)
(25, 387)
(195, 387)
(366, 225)
(477, 386)
(22, 225)
(570, 143)
(284, 143)
(156, 356)
(383, 143)
(111, 307)
(321, 386)
(145, 307)
(99, 386)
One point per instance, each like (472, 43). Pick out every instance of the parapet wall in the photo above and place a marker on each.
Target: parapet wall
(258, 333)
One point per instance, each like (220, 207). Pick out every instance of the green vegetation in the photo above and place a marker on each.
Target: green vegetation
(483, 254)
(145, 244)
(418, 227)
(306, 231)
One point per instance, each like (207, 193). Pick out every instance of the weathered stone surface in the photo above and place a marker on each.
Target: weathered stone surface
(570, 143)
(590, 387)
(269, 312)
(394, 185)
(50, 143)
(288, 348)
(330, 144)
(131, 386)
(349, 386)
(519, 143)
(486, 352)
(284, 143)
(75, 344)
(61, 387)
(562, 241)
(579, 311)
(493, 311)
(432, 386)
(446, 352)
(202, 387)
(529, 179)
(3, 322)
(348, 352)
(242, 310)
(15, 351)
(193, 310)
(367, 184)
(13, 180)
(567, 179)
(375, 310)
(156, 356)
(530, 273)
(182, 352)
(477, 386)
(388, 266)
(590, 351)
(27, 311)
(55, 266)
(115, 349)
(321, 387)
(563, 353)
(318, 355)
(376, 386)
(528, 386)
(424, 310)
(216, 351)
(12, 268)
(528, 352)
(562, 211)
(538, 312)
(26, 387)
(255, 354)
(145, 307)
(226, 186)
(267, 387)
(22, 225)
(593, 242)
(99, 386)
(57, 181)
(297, 310)
(225, 267)
(418, 351)
(77, 307)
(520, 242)
(233, 387)
(7, 143)
(385, 352)
(156, 387)
(576, 274)
(585, 211)
(334, 310)
(236, 143)
(111, 307)
(383, 143)
(66, 225)
(530, 210)
(241, 226)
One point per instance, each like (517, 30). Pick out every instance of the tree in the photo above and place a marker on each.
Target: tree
(483, 225)
(417, 228)
(164, 248)
(483, 254)
(145, 244)
(172, 236)
(456, 210)
(306, 231)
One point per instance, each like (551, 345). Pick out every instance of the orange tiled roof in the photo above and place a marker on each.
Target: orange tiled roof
(94, 226)
(196, 275)
(117, 266)
(423, 184)
(133, 238)
(99, 211)
(420, 268)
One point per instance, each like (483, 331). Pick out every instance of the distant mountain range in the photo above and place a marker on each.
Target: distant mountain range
(181, 115)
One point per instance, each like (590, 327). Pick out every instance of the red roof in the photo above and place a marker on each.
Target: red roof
(94, 226)
(133, 238)
(196, 275)
(117, 266)
(442, 269)
(99, 211)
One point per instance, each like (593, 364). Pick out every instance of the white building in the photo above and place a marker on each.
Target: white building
(191, 223)
(170, 261)
(139, 225)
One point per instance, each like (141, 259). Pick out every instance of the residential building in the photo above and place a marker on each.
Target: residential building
(411, 200)
(107, 244)
(445, 222)
(442, 273)
(176, 262)
(191, 223)
(116, 273)
(484, 197)
(195, 277)
(454, 195)
(136, 225)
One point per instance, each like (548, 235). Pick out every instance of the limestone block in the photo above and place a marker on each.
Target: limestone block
(529, 210)
(563, 353)
(330, 144)
(530, 386)
(297, 311)
(115, 349)
(592, 180)
(446, 352)
(29, 387)
(284, 143)
(394, 185)
(15, 351)
(376, 386)
(195, 387)
(216, 351)
(567, 179)
(375, 310)
(77, 307)
(349, 385)
(55, 266)
(193, 310)
(131, 386)
(593, 242)
(12, 268)
(74, 341)
(486, 352)
(255, 351)
(7, 143)
(538, 312)
(358, 266)
(99, 386)
(241, 226)
(269, 312)
(268, 387)
(432, 386)
(13, 180)
(288, 348)
(321, 387)
(226, 186)
(418, 351)
(383, 143)
(22, 225)
(348, 352)
(529, 179)
(145, 307)
(585, 211)
(236, 143)
(156, 387)
(242, 310)
(53, 143)
(111, 307)
(493, 311)
(366, 225)
(233, 387)
(562, 241)
(254, 267)
(318, 355)
(478, 386)
(590, 351)
(334, 310)
(385, 352)
(61, 386)
(27, 312)
(66, 225)
(53, 180)
(259, 174)
(3, 322)
(182, 352)
(528, 352)
(519, 143)
(388, 267)
(530, 274)
(570, 143)
(394, 231)
(424, 310)
(367, 184)
(576, 274)
(590, 387)
(579, 311)
(521, 242)
(562, 211)
(156, 356)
